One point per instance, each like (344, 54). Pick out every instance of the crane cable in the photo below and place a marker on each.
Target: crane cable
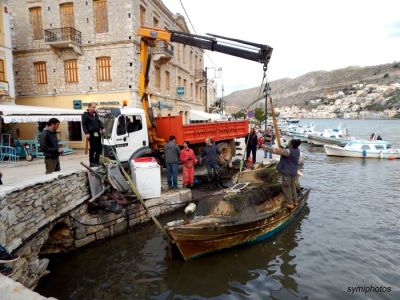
(265, 67)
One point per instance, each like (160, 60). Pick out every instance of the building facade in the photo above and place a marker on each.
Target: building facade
(69, 53)
(7, 92)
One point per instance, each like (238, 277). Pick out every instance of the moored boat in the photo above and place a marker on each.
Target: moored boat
(249, 216)
(336, 136)
(363, 149)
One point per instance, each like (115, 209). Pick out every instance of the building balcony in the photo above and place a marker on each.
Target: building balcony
(62, 38)
(163, 52)
(200, 75)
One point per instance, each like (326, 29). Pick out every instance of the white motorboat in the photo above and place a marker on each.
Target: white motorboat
(301, 132)
(363, 149)
(337, 136)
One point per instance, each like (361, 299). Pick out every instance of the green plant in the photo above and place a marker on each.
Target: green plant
(259, 114)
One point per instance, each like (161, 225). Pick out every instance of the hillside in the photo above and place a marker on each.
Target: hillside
(316, 85)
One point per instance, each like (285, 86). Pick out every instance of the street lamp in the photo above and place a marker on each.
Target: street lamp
(219, 69)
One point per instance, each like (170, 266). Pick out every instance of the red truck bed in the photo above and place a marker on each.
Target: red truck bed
(197, 133)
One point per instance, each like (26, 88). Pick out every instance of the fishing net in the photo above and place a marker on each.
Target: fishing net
(263, 195)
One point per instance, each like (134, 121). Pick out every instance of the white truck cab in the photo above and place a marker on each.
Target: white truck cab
(126, 133)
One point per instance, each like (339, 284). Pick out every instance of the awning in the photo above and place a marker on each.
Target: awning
(29, 114)
(196, 115)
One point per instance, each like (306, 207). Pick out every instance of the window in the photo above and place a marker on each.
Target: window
(40, 72)
(167, 81)
(134, 123)
(158, 77)
(121, 126)
(2, 71)
(67, 15)
(71, 71)
(191, 90)
(379, 147)
(184, 85)
(100, 16)
(36, 21)
(179, 81)
(75, 131)
(155, 22)
(103, 65)
(142, 15)
(365, 147)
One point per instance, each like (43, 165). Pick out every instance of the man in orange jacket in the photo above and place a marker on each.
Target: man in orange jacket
(188, 160)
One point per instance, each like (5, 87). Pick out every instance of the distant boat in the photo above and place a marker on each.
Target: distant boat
(292, 120)
(363, 149)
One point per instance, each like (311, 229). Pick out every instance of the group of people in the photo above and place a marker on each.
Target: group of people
(288, 164)
(257, 139)
(92, 127)
(174, 156)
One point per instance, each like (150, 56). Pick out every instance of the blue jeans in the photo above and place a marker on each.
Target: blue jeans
(266, 153)
(212, 170)
(172, 175)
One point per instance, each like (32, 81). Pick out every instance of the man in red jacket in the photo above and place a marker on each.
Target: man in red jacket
(188, 160)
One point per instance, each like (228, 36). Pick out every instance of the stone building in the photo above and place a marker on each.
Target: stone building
(68, 53)
(7, 93)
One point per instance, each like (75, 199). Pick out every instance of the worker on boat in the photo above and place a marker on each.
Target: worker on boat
(287, 167)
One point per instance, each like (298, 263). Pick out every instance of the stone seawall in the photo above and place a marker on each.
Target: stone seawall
(28, 212)
(51, 215)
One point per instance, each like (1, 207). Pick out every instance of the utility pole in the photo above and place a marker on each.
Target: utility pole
(206, 96)
(266, 93)
(222, 92)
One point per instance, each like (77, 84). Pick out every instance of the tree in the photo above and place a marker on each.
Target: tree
(238, 115)
(259, 114)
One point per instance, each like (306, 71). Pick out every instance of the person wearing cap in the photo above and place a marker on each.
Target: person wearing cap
(288, 167)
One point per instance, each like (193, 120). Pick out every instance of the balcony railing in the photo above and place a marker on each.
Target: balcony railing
(63, 35)
(200, 74)
(163, 50)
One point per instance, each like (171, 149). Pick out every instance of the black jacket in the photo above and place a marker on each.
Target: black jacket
(91, 124)
(49, 144)
(210, 152)
(252, 141)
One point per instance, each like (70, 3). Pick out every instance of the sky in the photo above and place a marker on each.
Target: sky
(306, 35)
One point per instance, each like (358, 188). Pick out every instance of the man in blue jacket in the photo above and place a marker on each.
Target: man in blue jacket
(288, 166)
(210, 154)
(49, 146)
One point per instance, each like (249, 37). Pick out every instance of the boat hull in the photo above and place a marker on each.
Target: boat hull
(332, 150)
(320, 141)
(198, 241)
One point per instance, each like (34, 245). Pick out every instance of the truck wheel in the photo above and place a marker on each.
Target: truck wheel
(225, 150)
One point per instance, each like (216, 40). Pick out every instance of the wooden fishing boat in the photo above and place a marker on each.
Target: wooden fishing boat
(235, 221)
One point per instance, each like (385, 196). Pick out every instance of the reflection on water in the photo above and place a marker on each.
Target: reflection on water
(348, 236)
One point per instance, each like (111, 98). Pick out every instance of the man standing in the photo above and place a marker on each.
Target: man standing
(252, 143)
(92, 127)
(49, 146)
(210, 153)
(288, 166)
(172, 153)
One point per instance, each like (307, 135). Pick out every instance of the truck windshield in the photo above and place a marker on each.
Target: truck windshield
(108, 122)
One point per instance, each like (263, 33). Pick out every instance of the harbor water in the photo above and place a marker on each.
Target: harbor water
(345, 244)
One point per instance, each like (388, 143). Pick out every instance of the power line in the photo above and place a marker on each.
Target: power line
(194, 30)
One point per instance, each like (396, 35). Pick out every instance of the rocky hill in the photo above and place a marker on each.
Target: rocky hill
(316, 85)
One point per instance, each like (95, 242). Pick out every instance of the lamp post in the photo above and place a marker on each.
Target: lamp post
(219, 69)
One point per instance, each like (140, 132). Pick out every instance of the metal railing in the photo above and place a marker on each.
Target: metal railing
(200, 74)
(65, 34)
(164, 48)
